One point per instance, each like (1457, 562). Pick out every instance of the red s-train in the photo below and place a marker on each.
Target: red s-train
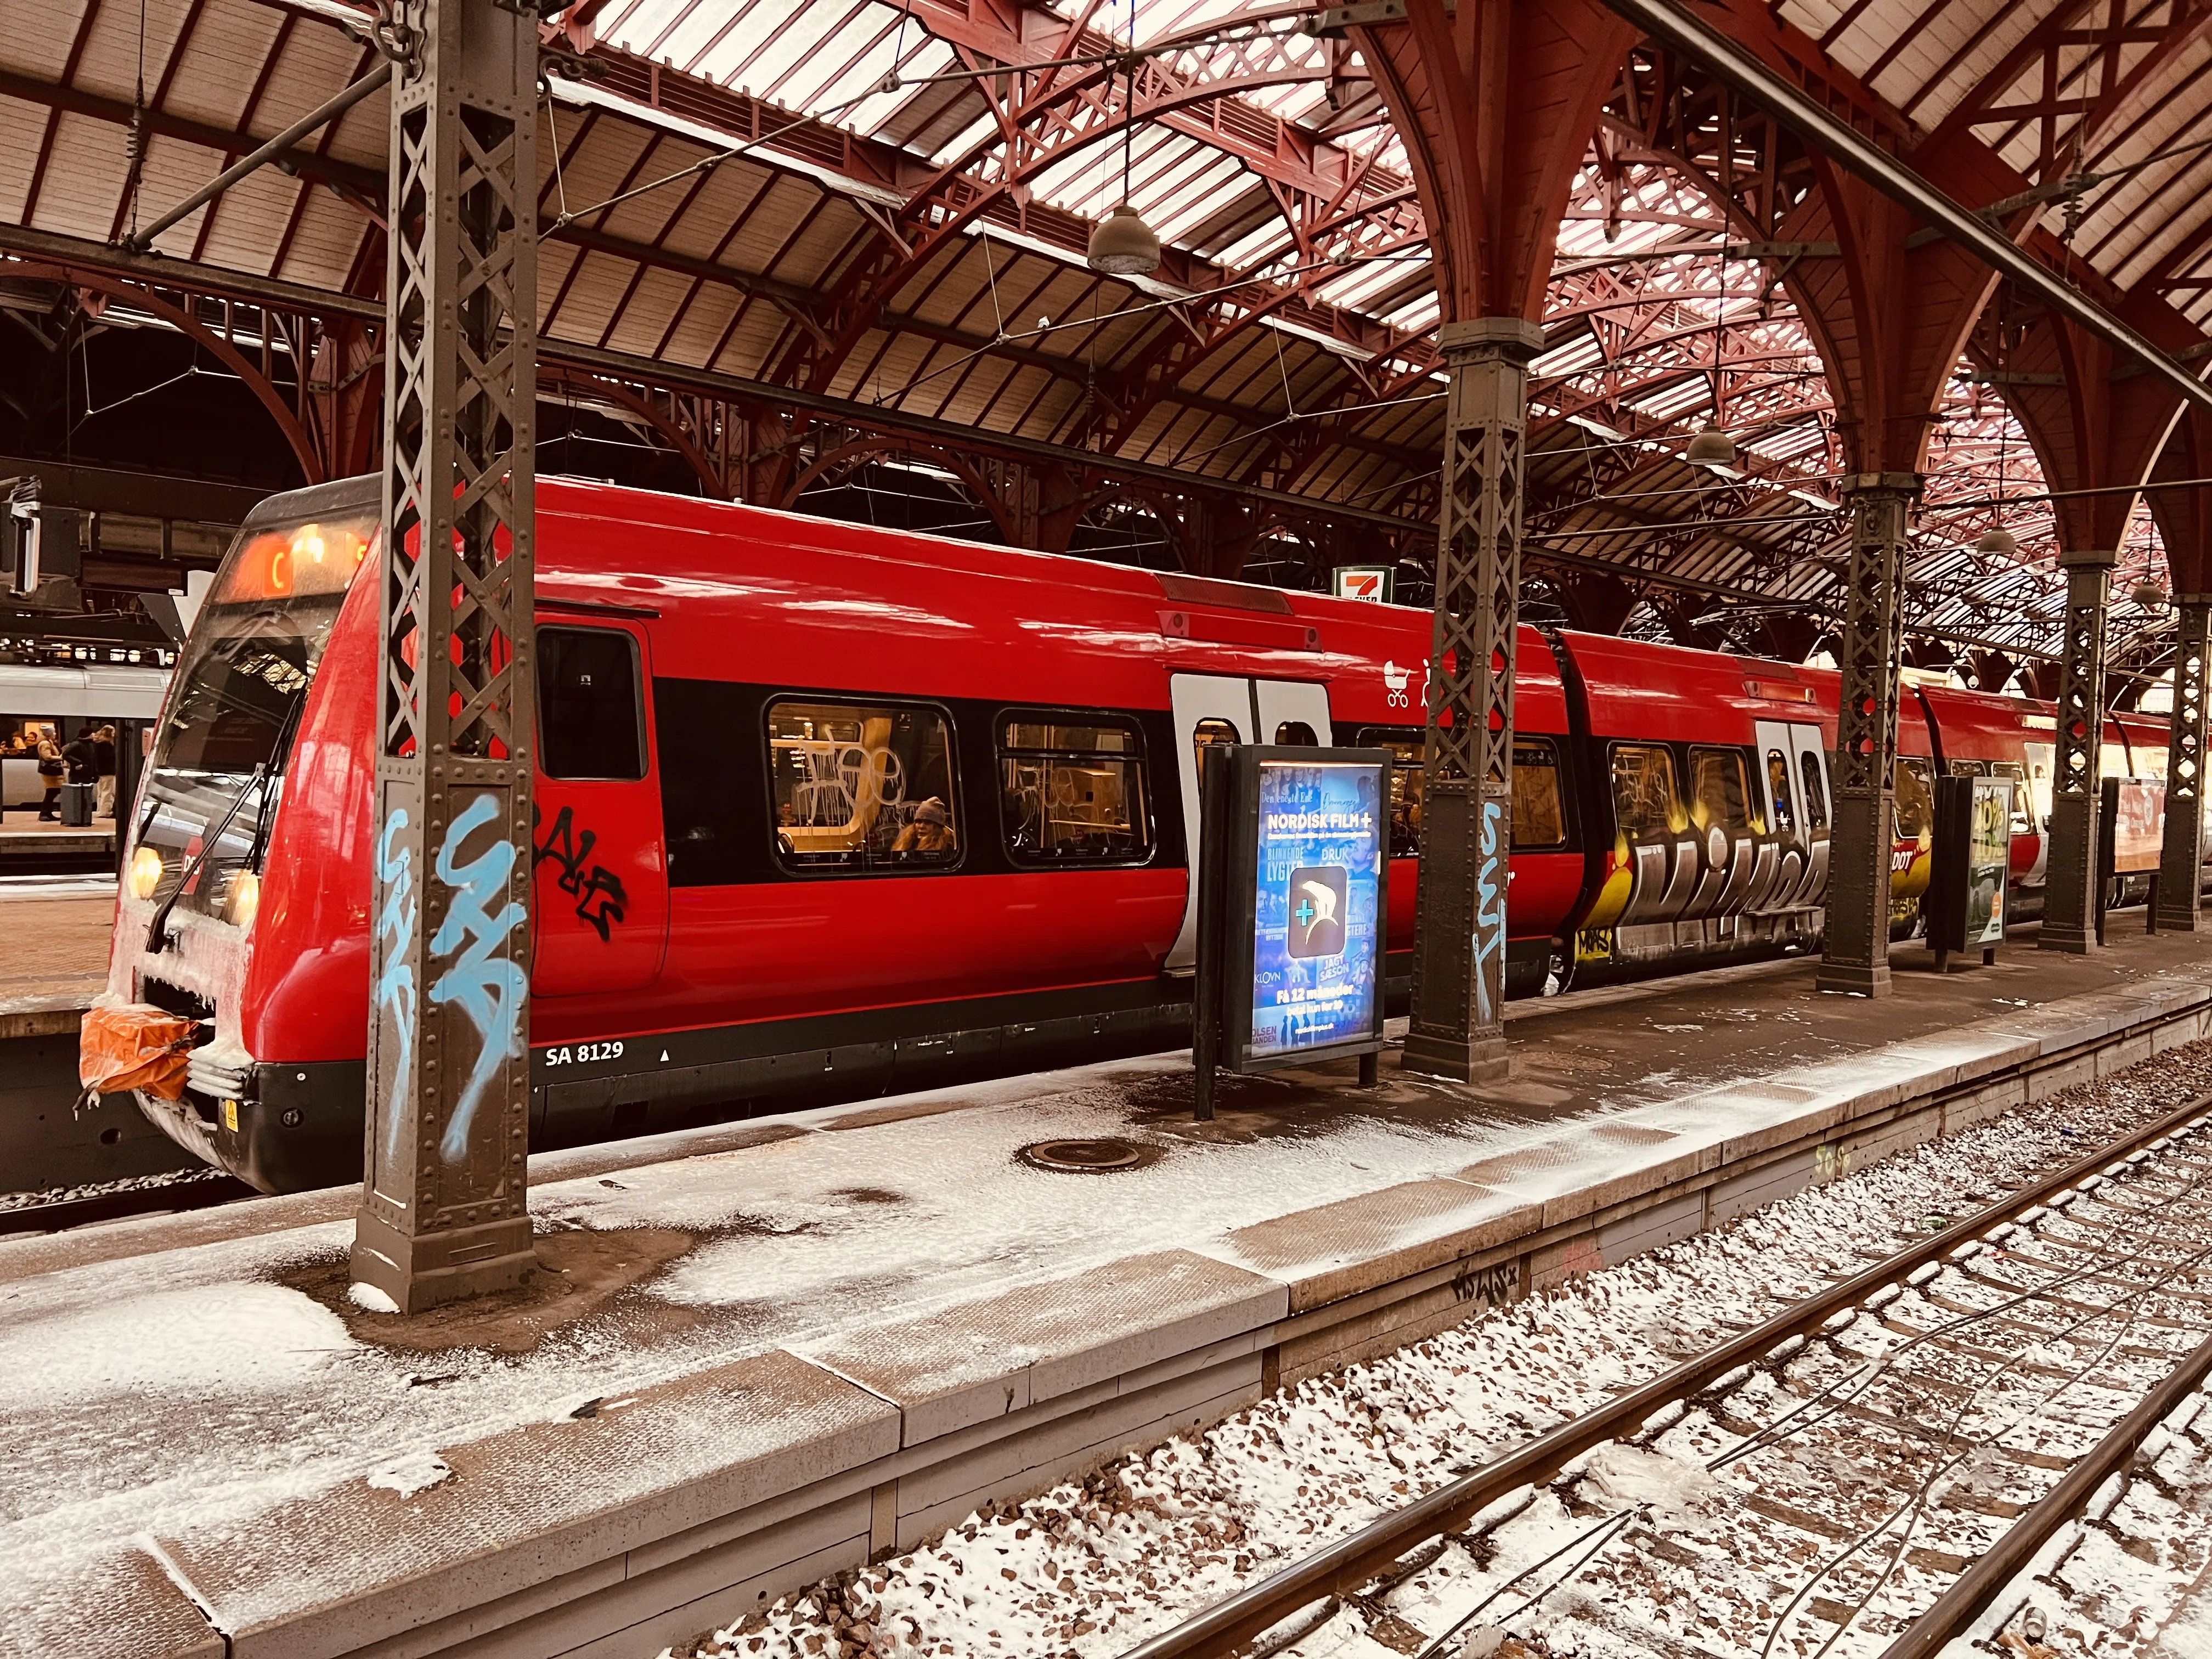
(825, 810)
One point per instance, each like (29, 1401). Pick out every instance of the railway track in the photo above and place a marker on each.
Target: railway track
(194, 1190)
(1869, 1471)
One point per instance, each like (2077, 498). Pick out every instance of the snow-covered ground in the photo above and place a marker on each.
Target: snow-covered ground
(1661, 1554)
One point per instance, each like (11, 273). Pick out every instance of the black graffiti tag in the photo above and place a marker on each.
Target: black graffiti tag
(597, 891)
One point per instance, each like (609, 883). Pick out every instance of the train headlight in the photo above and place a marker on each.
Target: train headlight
(145, 873)
(243, 901)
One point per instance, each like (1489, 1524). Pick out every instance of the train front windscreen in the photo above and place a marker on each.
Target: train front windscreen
(227, 735)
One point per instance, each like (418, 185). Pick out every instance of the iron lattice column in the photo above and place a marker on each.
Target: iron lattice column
(1855, 948)
(2181, 854)
(2070, 892)
(443, 1212)
(1458, 1027)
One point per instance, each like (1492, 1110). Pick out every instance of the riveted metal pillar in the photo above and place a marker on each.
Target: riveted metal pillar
(1458, 1027)
(2070, 910)
(443, 1213)
(2181, 854)
(1855, 949)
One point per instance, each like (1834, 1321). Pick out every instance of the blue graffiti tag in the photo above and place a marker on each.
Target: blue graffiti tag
(395, 987)
(1489, 914)
(489, 988)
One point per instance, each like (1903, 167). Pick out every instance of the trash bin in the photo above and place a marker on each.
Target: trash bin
(77, 805)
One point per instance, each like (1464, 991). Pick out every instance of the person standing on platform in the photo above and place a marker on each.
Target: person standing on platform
(81, 775)
(50, 776)
(103, 766)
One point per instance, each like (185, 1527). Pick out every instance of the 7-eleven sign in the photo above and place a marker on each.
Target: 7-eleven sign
(1375, 583)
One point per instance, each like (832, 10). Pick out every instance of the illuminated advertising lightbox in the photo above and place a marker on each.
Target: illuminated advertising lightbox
(1310, 905)
(1989, 861)
(2138, 825)
(1969, 864)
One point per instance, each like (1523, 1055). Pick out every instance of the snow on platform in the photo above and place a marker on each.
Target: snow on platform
(766, 1351)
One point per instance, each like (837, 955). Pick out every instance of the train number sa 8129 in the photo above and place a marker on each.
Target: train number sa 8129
(581, 1054)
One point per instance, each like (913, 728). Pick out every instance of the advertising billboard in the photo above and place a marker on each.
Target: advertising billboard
(1969, 860)
(2138, 825)
(1989, 860)
(1310, 905)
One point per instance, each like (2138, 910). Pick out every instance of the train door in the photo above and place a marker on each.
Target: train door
(601, 888)
(1793, 783)
(1210, 708)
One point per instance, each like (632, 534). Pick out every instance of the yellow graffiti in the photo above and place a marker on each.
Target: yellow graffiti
(1910, 869)
(1613, 894)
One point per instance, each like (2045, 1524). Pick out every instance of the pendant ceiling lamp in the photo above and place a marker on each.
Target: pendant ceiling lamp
(1122, 243)
(1712, 447)
(1997, 541)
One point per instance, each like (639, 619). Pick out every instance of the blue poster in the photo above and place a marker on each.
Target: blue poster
(1317, 937)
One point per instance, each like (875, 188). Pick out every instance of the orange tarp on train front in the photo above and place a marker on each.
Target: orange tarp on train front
(128, 1046)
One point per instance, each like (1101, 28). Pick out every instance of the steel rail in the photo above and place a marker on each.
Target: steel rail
(59, 1214)
(139, 241)
(2010, 1556)
(1672, 26)
(1359, 1558)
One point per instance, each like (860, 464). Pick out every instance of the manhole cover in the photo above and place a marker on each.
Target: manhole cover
(1080, 1157)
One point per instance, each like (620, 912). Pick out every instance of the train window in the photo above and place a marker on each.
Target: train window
(710, 810)
(590, 723)
(1717, 794)
(1405, 748)
(1296, 734)
(1812, 765)
(2022, 825)
(2041, 757)
(1964, 769)
(861, 786)
(1644, 798)
(1072, 790)
(1540, 819)
(1777, 785)
(1213, 734)
(1916, 802)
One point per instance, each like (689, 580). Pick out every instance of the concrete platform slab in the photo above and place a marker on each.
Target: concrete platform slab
(884, 1319)
(54, 948)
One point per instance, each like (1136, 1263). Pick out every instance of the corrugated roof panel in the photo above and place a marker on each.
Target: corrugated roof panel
(650, 308)
(590, 302)
(78, 194)
(702, 324)
(730, 191)
(328, 238)
(248, 218)
(22, 127)
(760, 329)
(220, 64)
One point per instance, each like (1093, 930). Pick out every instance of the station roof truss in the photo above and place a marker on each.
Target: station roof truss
(892, 273)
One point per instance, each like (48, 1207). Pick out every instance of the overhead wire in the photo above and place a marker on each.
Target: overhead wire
(1046, 326)
(1126, 58)
(1839, 1393)
(894, 82)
